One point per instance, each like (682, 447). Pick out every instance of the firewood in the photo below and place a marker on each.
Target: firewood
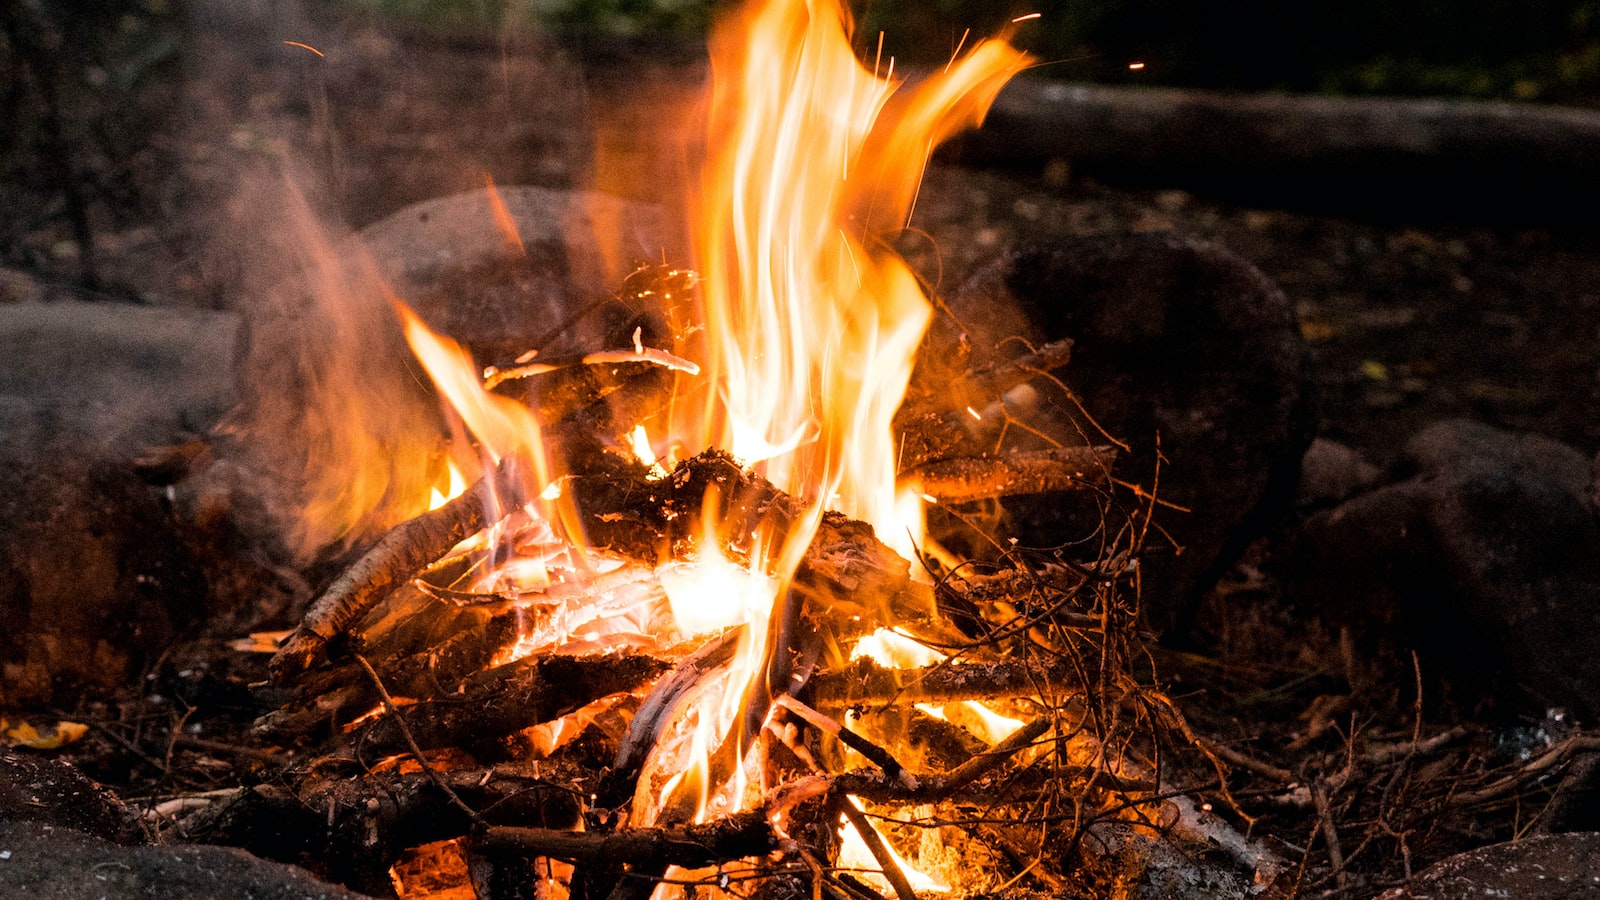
(866, 683)
(397, 557)
(656, 711)
(507, 699)
(935, 421)
(691, 846)
(880, 851)
(360, 826)
(341, 692)
(1008, 474)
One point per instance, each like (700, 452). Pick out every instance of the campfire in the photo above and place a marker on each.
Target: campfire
(724, 608)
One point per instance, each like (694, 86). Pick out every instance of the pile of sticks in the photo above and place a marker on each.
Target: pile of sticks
(441, 749)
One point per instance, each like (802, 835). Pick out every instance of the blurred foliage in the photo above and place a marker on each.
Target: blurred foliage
(1523, 49)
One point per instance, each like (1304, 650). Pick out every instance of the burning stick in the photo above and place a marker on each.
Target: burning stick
(657, 710)
(880, 851)
(406, 550)
(864, 682)
(1022, 472)
(509, 699)
(691, 846)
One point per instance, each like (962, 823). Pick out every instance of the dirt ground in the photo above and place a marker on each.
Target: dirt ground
(1407, 322)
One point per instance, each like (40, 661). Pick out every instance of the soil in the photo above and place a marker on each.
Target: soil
(1409, 320)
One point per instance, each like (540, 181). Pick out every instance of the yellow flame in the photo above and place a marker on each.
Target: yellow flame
(505, 429)
(455, 485)
(854, 855)
(810, 324)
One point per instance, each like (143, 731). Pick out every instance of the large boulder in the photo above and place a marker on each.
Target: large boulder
(1549, 867)
(1486, 557)
(1189, 355)
(50, 862)
(94, 577)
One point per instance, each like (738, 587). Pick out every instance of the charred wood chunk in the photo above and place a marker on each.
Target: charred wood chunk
(691, 846)
(1009, 474)
(507, 699)
(866, 682)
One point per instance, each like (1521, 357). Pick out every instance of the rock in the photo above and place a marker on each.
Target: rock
(456, 267)
(126, 377)
(1178, 341)
(48, 862)
(1576, 803)
(35, 788)
(94, 577)
(1549, 867)
(1331, 472)
(1487, 559)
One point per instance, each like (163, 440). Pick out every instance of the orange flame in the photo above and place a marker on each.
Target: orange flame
(810, 323)
(806, 330)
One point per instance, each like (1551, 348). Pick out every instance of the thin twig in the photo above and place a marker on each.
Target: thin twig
(1330, 834)
(1245, 761)
(411, 742)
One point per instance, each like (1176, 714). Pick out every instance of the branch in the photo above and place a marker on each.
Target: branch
(402, 553)
(508, 699)
(864, 682)
(1019, 472)
(690, 846)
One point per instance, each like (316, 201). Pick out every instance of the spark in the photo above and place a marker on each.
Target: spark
(305, 47)
(957, 52)
(1135, 66)
(1028, 17)
(975, 414)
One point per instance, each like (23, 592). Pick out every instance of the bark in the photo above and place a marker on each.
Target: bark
(1005, 475)
(864, 682)
(402, 553)
(508, 699)
(691, 846)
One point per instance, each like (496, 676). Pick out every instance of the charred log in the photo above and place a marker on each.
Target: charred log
(864, 682)
(691, 846)
(1008, 474)
(508, 699)
(361, 826)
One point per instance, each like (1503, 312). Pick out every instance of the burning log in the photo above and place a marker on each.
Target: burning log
(1019, 472)
(691, 846)
(508, 699)
(865, 682)
(397, 557)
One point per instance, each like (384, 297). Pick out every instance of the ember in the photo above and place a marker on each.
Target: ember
(709, 561)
